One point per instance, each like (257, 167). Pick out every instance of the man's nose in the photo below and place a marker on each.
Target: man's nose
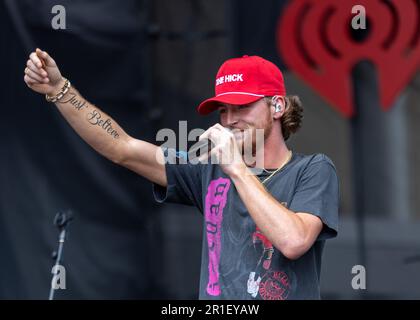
(231, 117)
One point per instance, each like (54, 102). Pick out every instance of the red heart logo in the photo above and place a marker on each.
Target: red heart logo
(314, 39)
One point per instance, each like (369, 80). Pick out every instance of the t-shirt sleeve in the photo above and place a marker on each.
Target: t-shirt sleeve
(317, 192)
(184, 180)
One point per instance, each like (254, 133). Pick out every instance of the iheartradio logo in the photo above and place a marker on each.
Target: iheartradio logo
(315, 39)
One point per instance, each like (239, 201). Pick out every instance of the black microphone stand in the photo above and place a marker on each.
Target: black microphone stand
(61, 220)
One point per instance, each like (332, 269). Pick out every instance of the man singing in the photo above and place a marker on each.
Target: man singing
(264, 230)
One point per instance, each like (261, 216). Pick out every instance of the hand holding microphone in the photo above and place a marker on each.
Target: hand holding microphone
(204, 145)
(223, 149)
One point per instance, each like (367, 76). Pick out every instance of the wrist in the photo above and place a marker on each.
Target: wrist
(57, 87)
(239, 170)
(65, 86)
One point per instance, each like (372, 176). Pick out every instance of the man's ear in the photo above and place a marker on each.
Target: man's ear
(278, 103)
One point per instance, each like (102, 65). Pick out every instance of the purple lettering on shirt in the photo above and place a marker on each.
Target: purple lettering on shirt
(216, 198)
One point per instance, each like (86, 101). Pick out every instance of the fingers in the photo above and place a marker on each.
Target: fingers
(36, 77)
(215, 133)
(45, 57)
(219, 137)
(219, 126)
(204, 135)
(35, 72)
(41, 72)
(35, 60)
(38, 53)
(209, 131)
(29, 81)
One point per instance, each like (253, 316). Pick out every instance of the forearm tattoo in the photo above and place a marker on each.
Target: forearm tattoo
(94, 118)
(77, 102)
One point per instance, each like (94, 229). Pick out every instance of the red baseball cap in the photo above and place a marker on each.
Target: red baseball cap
(244, 80)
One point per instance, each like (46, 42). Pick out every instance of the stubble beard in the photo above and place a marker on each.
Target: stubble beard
(249, 149)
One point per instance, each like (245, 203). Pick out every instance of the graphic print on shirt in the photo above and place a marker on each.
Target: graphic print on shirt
(258, 239)
(271, 285)
(275, 285)
(216, 198)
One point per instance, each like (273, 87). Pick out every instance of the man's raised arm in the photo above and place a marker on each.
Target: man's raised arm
(97, 128)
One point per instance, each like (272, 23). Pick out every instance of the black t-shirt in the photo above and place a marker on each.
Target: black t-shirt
(238, 262)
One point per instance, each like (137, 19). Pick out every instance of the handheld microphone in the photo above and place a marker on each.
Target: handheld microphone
(204, 146)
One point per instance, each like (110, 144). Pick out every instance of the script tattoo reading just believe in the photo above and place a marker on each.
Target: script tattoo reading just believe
(74, 100)
(94, 118)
